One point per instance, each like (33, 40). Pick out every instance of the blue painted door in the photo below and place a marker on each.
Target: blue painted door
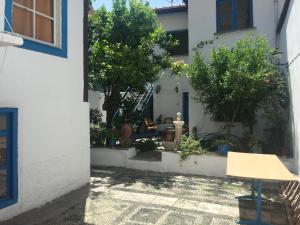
(185, 109)
(4, 156)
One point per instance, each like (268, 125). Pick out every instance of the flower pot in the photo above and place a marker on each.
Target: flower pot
(223, 149)
(111, 142)
(126, 134)
(168, 145)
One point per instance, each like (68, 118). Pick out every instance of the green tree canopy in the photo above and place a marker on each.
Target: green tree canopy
(237, 82)
(127, 48)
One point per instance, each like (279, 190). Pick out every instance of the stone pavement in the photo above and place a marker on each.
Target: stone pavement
(118, 196)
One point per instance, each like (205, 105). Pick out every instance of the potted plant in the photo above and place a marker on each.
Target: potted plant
(146, 145)
(111, 137)
(254, 144)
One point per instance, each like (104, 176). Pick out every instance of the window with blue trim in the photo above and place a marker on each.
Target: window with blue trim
(42, 24)
(234, 14)
(8, 157)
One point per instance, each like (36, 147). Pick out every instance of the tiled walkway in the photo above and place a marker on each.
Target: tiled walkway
(129, 197)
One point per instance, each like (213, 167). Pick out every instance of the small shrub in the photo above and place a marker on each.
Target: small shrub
(95, 116)
(96, 136)
(209, 141)
(146, 145)
(96, 129)
(190, 145)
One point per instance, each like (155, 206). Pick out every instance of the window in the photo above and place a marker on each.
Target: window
(8, 157)
(183, 46)
(234, 15)
(42, 23)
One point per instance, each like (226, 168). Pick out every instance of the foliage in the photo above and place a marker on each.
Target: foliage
(96, 128)
(127, 114)
(146, 145)
(234, 145)
(253, 144)
(188, 146)
(237, 82)
(110, 134)
(90, 2)
(122, 50)
(95, 117)
(209, 141)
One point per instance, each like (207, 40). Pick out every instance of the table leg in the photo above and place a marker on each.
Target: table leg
(258, 221)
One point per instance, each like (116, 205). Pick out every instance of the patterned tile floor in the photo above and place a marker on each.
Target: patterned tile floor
(118, 196)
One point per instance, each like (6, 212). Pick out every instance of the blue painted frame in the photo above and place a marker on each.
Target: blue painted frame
(40, 47)
(234, 14)
(12, 156)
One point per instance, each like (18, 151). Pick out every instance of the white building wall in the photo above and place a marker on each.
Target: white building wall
(201, 23)
(290, 45)
(53, 128)
(174, 21)
(203, 26)
(168, 102)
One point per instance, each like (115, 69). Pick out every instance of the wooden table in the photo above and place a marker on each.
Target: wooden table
(258, 168)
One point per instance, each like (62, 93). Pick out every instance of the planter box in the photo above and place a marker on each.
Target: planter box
(206, 165)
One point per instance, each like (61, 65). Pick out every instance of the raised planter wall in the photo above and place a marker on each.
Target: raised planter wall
(207, 165)
(196, 164)
(111, 157)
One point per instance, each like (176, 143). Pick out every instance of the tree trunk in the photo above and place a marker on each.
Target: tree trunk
(112, 104)
(228, 127)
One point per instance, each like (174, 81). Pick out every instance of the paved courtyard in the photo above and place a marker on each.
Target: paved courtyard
(118, 196)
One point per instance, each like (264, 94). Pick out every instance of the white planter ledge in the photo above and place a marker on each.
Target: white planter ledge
(104, 156)
(206, 165)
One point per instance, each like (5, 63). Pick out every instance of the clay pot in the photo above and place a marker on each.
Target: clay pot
(126, 134)
(169, 135)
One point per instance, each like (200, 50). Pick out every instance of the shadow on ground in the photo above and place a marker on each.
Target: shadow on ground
(118, 196)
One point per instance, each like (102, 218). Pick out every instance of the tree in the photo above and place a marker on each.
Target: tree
(237, 82)
(90, 2)
(123, 51)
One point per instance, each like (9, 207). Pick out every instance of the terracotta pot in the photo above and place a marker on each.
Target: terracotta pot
(126, 134)
(169, 135)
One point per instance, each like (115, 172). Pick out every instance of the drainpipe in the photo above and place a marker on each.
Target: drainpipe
(85, 50)
(276, 18)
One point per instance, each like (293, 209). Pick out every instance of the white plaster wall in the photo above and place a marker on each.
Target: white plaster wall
(111, 157)
(53, 128)
(174, 21)
(168, 102)
(290, 45)
(202, 22)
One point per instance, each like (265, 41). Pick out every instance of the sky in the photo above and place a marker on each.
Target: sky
(153, 3)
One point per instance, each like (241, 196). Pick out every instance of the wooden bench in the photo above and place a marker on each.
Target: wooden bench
(291, 195)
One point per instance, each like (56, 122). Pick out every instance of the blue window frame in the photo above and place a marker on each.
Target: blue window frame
(32, 44)
(8, 156)
(234, 14)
